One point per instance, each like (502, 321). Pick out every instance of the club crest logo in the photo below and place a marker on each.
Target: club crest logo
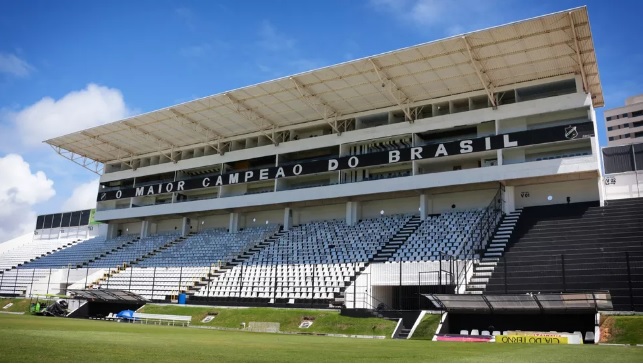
(571, 132)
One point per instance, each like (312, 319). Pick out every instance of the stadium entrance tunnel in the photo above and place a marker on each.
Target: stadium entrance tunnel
(481, 316)
(102, 302)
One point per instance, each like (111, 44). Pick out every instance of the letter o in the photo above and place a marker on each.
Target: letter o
(119, 194)
(353, 162)
(169, 187)
(297, 169)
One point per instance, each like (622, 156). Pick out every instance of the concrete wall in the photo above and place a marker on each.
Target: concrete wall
(537, 194)
(623, 185)
(372, 209)
(212, 221)
(318, 213)
(260, 218)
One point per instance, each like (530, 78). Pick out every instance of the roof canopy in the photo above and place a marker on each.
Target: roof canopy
(107, 295)
(538, 48)
(522, 303)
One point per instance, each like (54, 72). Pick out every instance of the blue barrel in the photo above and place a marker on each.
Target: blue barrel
(182, 298)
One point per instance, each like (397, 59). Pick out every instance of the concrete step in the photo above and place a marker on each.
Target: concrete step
(475, 279)
(489, 259)
(487, 264)
(492, 254)
(484, 269)
(494, 250)
(483, 274)
(476, 286)
(473, 291)
(497, 245)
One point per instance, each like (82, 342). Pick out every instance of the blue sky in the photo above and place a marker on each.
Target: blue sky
(69, 65)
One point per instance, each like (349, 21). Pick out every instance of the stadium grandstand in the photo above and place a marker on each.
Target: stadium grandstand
(466, 165)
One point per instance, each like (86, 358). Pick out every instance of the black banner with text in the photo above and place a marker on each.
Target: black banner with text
(458, 147)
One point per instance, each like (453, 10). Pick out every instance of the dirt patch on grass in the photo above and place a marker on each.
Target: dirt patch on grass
(608, 329)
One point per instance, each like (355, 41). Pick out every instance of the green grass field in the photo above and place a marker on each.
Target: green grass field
(26, 338)
(18, 305)
(426, 328)
(325, 321)
(624, 329)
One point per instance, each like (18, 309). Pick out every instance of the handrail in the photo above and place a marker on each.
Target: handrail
(385, 307)
(485, 226)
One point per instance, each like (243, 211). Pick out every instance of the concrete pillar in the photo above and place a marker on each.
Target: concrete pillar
(185, 226)
(145, 229)
(233, 226)
(353, 212)
(112, 231)
(601, 190)
(508, 199)
(426, 206)
(287, 218)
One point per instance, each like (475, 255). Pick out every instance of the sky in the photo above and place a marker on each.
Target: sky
(70, 65)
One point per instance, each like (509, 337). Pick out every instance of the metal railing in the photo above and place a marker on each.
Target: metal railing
(475, 243)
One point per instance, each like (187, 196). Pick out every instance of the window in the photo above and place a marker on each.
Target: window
(624, 115)
(609, 128)
(637, 124)
(609, 118)
(611, 138)
(637, 113)
(639, 134)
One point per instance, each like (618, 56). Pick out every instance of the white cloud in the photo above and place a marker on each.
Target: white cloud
(187, 16)
(13, 65)
(20, 190)
(271, 40)
(92, 106)
(448, 17)
(83, 197)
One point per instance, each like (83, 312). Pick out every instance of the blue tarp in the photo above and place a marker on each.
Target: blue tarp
(126, 314)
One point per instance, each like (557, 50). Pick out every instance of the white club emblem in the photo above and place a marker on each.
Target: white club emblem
(571, 132)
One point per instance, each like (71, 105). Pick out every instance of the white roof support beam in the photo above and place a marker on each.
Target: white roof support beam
(482, 75)
(400, 97)
(121, 152)
(161, 143)
(211, 137)
(254, 116)
(327, 112)
(579, 59)
(87, 163)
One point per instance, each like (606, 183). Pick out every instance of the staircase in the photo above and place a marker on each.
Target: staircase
(483, 269)
(121, 268)
(384, 253)
(389, 249)
(239, 259)
(162, 248)
(104, 254)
